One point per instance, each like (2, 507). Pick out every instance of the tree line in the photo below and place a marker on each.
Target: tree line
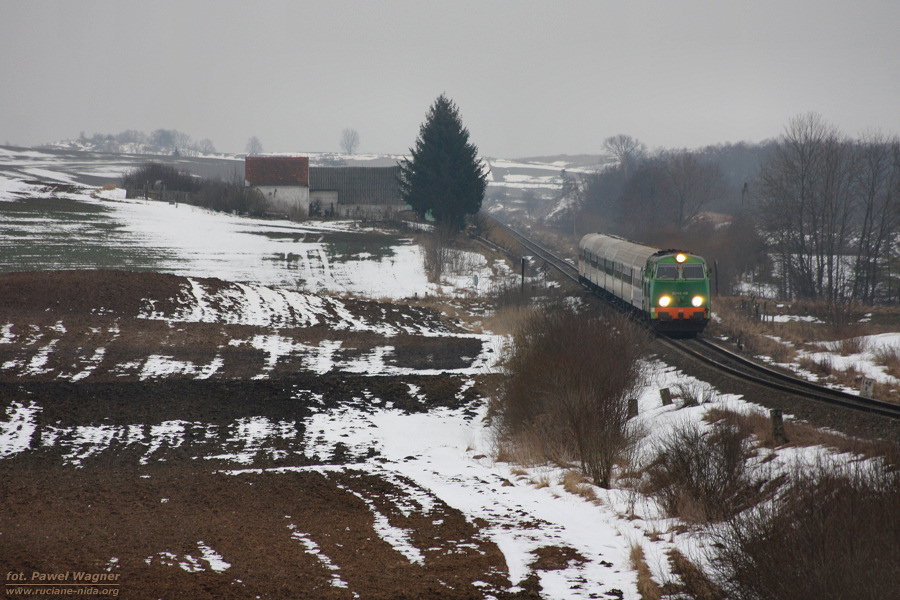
(159, 141)
(814, 212)
(829, 207)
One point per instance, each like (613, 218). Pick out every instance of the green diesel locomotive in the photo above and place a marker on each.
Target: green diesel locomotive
(670, 288)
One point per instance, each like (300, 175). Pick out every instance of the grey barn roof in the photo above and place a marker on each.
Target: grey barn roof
(358, 185)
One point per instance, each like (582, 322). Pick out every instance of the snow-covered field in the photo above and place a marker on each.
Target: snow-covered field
(334, 257)
(446, 452)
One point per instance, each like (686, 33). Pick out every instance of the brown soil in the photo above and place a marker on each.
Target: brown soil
(148, 515)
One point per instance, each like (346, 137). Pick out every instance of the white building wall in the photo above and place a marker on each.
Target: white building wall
(286, 198)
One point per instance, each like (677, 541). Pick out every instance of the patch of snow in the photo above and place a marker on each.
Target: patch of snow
(18, 429)
(92, 363)
(397, 537)
(312, 548)
(794, 319)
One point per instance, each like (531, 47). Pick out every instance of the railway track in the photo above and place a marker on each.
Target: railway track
(735, 365)
(722, 359)
(564, 266)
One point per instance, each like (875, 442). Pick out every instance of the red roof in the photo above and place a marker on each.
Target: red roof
(277, 170)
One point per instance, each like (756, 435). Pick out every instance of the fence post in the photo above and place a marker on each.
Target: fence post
(523, 276)
(666, 396)
(778, 427)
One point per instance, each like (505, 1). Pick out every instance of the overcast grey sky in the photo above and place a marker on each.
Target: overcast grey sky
(530, 78)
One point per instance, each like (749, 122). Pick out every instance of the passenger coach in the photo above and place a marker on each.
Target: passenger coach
(668, 287)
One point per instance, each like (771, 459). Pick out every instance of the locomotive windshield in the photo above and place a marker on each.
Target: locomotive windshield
(666, 271)
(694, 271)
(687, 271)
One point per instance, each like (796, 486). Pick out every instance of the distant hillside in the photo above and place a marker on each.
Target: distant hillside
(567, 161)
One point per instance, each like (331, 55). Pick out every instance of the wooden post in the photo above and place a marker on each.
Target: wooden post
(523, 276)
(632, 408)
(778, 427)
(666, 396)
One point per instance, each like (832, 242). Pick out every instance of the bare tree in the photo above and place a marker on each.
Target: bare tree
(790, 201)
(206, 146)
(624, 149)
(349, 141)
(254, 146)
(183, 144)
(878, 188)
(692, 184)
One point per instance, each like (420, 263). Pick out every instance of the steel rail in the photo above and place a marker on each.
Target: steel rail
(548, 256)
(787, 383)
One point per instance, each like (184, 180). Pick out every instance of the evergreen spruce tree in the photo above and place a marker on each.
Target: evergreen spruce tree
(444, 175)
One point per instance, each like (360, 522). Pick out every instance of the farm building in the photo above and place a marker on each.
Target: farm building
(356, 192)
(292, 186)
(283, 180)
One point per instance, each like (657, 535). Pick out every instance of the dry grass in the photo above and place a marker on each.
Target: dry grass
(844, 337)
(821, 366)
(520, 451)
(848, 346)
(849, 377)
(542, 481)
(507, 320)
(803, 434)
(575, 483)
(779, 351)
(647, 588)
(889, 358)
(694, 582)
(695, 393)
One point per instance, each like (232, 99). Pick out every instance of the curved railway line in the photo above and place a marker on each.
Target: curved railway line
(723, 360)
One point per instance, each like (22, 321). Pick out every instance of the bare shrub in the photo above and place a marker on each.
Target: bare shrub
(569, 380)
(482, 225)
(297, 213)
(231, 197)
(832, 533)
(505, 320)
(509, 292)
(151, 175)
(438, 251)
(702, 476)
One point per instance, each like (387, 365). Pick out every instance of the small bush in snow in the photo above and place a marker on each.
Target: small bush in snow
(702, 475)
(569, 378)
(833, 532)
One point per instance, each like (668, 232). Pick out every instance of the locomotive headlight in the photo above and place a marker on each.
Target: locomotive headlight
(697, 301)
(664, 301)
(680, 258)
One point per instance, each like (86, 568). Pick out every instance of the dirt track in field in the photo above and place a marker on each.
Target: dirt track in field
(160, 500)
